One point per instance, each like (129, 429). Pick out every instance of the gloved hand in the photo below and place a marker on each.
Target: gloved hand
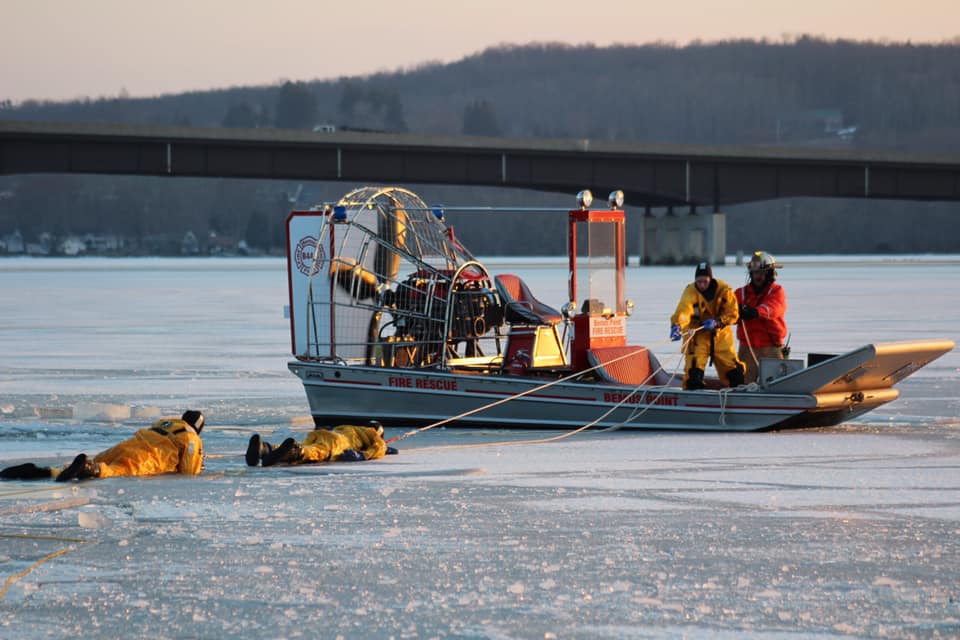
(748, 313)
(675, 332)
(391, 451)
(709, 324)
(351, 455)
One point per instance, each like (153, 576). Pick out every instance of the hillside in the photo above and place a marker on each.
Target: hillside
(807, 91)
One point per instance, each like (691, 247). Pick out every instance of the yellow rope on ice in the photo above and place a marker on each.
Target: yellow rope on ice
(50, 556)
(56, 487)
(17, 536)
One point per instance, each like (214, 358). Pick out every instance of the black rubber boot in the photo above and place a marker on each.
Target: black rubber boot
(80, 469)
(256, 450)
(27, 471)
(695, 379)
(735, 376)
(287, 452)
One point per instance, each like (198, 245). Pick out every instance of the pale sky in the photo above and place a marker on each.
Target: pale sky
(65, 49)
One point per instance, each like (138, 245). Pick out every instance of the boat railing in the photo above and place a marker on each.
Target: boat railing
(436, 318)
(474, 318)
(392, 287)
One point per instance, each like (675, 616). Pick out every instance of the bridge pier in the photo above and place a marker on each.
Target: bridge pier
(683, 239)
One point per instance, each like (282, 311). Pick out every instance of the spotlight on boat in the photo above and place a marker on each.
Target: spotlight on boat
(438, 213)
(585, 199)
(615, 199)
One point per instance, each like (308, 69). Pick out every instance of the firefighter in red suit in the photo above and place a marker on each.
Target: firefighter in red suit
(762, 330)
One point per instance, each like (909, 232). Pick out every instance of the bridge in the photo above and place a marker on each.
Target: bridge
(650, 175)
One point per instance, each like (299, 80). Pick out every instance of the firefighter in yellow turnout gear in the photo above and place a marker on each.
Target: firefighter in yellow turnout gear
(709, 307)
(171, 445)
(345, 443)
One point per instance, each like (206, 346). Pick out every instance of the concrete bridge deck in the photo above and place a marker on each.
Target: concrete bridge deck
(651, 175)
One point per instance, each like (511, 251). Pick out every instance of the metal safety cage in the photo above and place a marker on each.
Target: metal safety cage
(391, 287)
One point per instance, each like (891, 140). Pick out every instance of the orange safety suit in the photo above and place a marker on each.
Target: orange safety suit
(321, 445)
(720, 304)
(169, 446)
(768, 329)
(763, 336)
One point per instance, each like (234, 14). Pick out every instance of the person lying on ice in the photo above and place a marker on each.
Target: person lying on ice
(346, 443)
(171, 445)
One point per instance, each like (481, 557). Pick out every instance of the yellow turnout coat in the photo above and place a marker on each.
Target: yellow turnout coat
(694, 307)
(169, 446)
(321, 445)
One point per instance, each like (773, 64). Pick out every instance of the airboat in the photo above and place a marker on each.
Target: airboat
(392, 318)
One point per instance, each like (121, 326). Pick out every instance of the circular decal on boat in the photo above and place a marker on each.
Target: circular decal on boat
(304, 256)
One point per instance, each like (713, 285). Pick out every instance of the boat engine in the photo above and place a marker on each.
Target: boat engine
(420, 305)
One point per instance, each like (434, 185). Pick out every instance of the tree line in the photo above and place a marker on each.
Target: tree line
(799, 91)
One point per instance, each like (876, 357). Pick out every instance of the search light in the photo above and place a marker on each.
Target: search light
(585, 199)
(615, 199)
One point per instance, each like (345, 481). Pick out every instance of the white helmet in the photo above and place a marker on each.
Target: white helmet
(764, 263)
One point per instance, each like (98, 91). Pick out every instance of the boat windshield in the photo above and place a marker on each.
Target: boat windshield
(596, 280)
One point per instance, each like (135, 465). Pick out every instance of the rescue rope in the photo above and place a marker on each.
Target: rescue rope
(46, 506)
(496, 403)
(756, 360)
(724, 393)
(19, 536)
(569, 434)
(746, 335)
(649, 404)
(7, 494)
(663, 388)
(50, 556)
(11, 579)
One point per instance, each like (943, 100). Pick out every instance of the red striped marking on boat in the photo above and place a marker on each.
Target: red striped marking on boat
(531, 395)
(363, 382)
(751, 407)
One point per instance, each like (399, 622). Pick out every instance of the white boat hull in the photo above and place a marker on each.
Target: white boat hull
(340, 394)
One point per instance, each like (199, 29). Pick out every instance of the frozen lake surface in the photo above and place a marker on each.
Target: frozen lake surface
(852, 531)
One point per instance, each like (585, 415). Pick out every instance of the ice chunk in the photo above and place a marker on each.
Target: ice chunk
(92, 520)
(53, 413)
(101, 411)
(145, 413)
